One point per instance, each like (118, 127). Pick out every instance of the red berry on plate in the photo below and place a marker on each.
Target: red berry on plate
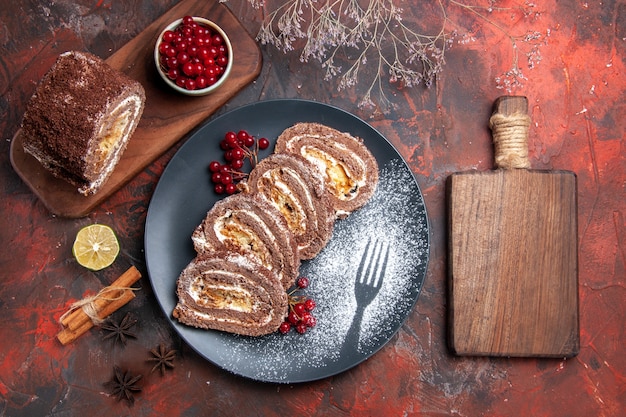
(302, 282)
(310, 320)
(230, 188)
(264, 143)
(237, 153)
(249, 141)
(237, 163)
(293, 318)
(301, 328)
(299, 309)
(285, 326)
(219, 188)
(227, 178)
(309, 304)
(214, 166)
(242, 135)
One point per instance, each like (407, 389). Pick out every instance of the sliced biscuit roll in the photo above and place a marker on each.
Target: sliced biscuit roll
(295, 187)
(250, 225)
(78, 122)
(349, 169)
(232, 293)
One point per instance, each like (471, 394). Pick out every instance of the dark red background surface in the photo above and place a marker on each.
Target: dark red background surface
(577, 103)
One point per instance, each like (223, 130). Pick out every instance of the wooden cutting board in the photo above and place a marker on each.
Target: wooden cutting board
(167, 117)
(512, 261)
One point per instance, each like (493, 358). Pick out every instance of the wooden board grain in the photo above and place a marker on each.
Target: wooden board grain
(513, 269)
(167, 117)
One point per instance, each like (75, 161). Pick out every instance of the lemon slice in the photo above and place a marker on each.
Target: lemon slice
(96, 246)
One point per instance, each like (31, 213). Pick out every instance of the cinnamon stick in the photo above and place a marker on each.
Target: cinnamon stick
(78, 322)
(78, 317)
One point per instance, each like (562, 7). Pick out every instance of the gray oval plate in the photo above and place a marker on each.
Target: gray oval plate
(347, 332)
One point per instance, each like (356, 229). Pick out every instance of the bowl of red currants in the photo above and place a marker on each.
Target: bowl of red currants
(193, 56)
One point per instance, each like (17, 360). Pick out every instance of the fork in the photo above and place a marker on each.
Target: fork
(369, 280)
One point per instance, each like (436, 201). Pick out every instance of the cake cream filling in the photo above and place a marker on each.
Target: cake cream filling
(120, 122)
(220, 295)
(345, 184)
(210, 317)
(226, 229)
(286, 201)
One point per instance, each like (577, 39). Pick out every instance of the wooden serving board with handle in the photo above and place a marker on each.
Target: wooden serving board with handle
(167, 117)
(512, 241)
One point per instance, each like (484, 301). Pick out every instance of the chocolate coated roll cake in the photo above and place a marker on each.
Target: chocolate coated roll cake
(295, 187)
(250, 225)
(349, 169)
(79, 120)
(232, 293)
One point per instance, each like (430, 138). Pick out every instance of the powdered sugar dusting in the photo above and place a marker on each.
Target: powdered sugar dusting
(395, 215)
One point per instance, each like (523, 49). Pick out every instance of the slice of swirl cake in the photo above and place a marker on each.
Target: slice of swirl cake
(79, 120)
(349, 169)
(250, 225)
(296, 189)
(230, 292)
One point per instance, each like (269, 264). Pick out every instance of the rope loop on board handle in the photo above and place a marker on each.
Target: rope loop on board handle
(510, 138)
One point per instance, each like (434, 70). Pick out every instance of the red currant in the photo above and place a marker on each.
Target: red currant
(249, 141)
(238, 153)
(189, 68)
(230, 188)
(181, 81)
(217, 177)
(227, 179)
(201, 82)
(222, 60)
(169, 36)
(263, 143)
(236, 163)
(293, 318)
(310, 320)
(299, 309)
(214, 166)
(173, 74)
(285, 326)
(309, 304)
(301, 328)
(242, 135)
(302, 282)
(183, 57)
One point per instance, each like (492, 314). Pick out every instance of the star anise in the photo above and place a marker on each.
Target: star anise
(123, 385)
(164, 358)
(120, 331)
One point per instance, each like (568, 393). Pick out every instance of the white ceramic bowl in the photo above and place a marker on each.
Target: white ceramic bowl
(197, 92)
